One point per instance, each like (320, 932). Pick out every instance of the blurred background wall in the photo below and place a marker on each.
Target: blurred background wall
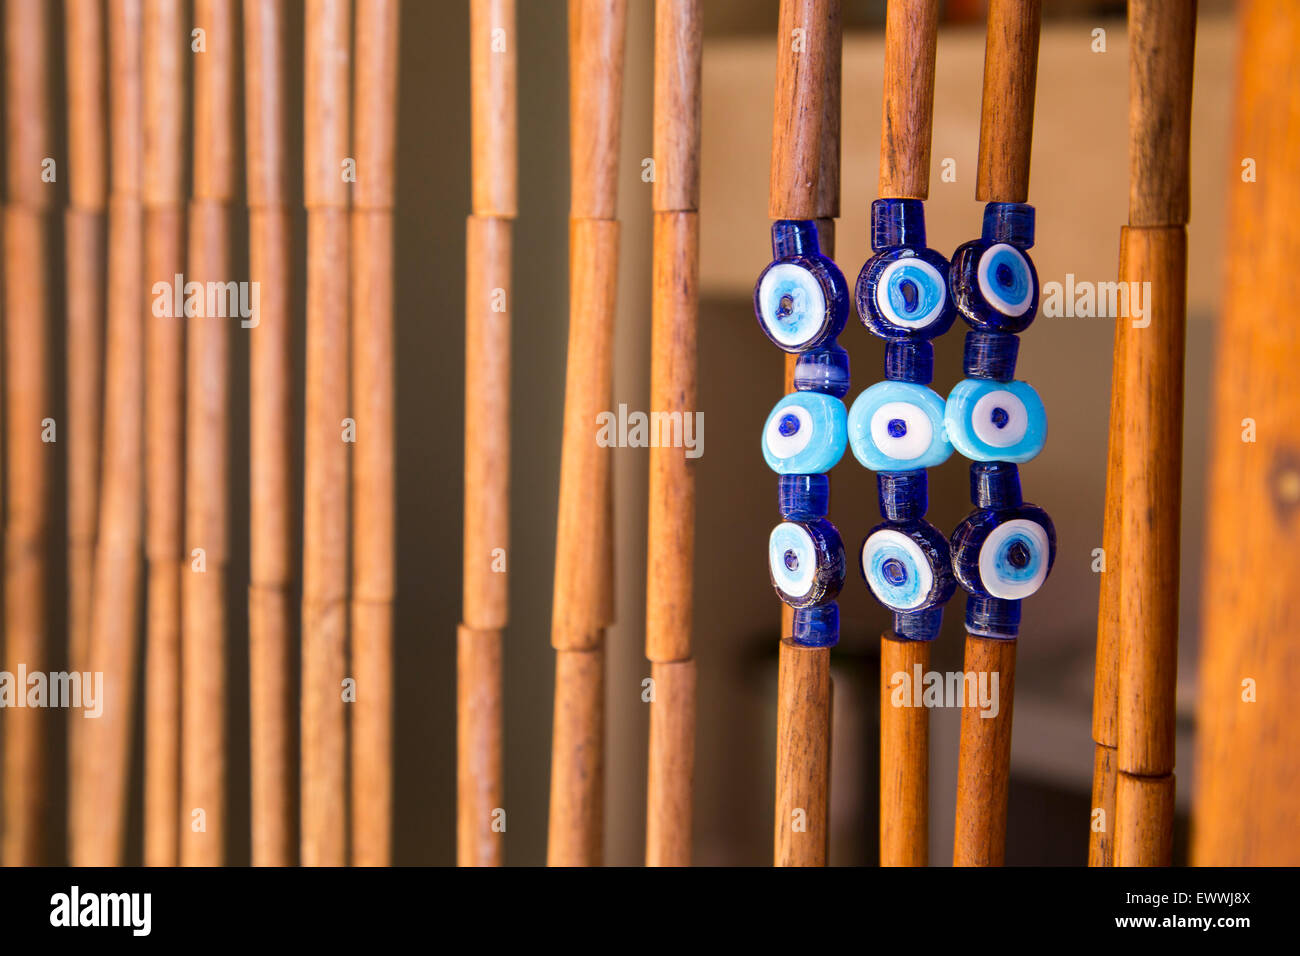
(1079, 186)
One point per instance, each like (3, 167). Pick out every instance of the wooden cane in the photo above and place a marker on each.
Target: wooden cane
(373, 506)
(670, 559)
(100, 793)
(584, 589)
(85, 222)
(272, 687)
(28, 439)
(911, 38)
(804, 185)
(1006, 132)
(480, 835)
(1149, 368)
(1243, 812)
(166, 48)
(325, 484)
(207, 423)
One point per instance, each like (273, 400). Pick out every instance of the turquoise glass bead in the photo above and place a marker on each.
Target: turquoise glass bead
(995, 421)
(805, 434)
(898, 426)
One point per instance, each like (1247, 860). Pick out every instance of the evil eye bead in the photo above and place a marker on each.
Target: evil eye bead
(898, 426)
(994, 286)
(806, 562)
(1004, 554)
(907, 566)
(995, 421)
(805, 434)
(903, 293)
(801, 304)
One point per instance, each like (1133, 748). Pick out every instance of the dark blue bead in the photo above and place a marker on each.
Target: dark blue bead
(902, 293)
(1011, 222)
(991, 355)
(806, 561)
(994, 286)
(804, 496)
(907, 565)
(817, 626)
(801, 299)
(903, 494)
(992, 617)
(823, 370)
(909, 360)
(995, 485)
(1004, 554)
(897, 222)
(919, 625)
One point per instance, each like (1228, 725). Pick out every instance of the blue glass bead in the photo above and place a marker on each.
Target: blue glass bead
(805, 434)
(898, 426)
(817, 626)
(995, 485)
(897, 222)
(909, 360)
(806, 561)
(993, 421)
(903, 293)
(801, 298)
(907, 566)
(804, 496)
(1004, 554)
(1011, 222)
(904, 495)
(992, 617)
(994, 286)
(920, 625)
(823, 370)
(990, 355)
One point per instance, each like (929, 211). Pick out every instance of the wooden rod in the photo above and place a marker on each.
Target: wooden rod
(984, 761)
(911, 38)
(1142, 807)
(1007, 112)
(679, 41)
(669, 801)
(85, 225)
(904, 754)
(583, 604)
(493, 108)
(166, 48)
(803, 731)
(1247, 737)
(325, 481)
(100, 793)
(480, 822)
(272, 687)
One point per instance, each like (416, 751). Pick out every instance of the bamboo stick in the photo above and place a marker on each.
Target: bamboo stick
(207, 424)
(100, 792)
(325, 484)
(670, 560)
(165, 43)
(1006, 133)
(373, 506)
(911, 39)
(85, 223)
(1138, 621)
(272, 688)
(1247, 737)
(804, 185)
(584, 578)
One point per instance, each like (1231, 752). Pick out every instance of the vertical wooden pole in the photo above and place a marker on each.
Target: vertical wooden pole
(804, 185)
(1006, 133)
(85, 222)
(166, 46)
(584, 573)
(484, 609)
(1137, 655)
(100, 794)
(272, 687)
(27, 393)
(373, 571)
(670, 560)
(325, 484)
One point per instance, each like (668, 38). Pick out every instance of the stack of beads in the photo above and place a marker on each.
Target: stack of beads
(896, 427)
(1003, 550)
(802, 303)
